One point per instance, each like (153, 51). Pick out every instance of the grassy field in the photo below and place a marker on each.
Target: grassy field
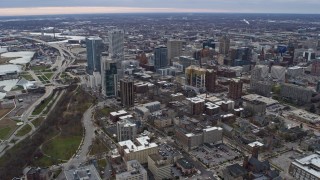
(105, 111)
(17, 88)
(64, 75)
(42, 105)
(4, 132)
(37, 121)
(102, 163)
(62, 147)
(39, 68)
(102, 112)
(48, 75)
(97, 147)
(23, 131)
(4, 112)
(27, 76)
(70, 110)
(7, 126)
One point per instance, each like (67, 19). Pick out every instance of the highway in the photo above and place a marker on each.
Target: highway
(61, 67)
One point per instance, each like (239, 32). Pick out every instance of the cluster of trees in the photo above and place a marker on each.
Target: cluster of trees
(64, 117)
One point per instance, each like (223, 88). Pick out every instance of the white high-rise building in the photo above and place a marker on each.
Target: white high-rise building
(278, 73)
(126, 130)
(174, 49)
(116, 44)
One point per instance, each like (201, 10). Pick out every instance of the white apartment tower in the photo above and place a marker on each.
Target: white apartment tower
(116, 44)
(126, 130)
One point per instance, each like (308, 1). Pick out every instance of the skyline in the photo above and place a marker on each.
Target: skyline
(50, 7)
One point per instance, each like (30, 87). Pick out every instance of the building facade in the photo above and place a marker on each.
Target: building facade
(135, 171)
(196, 76)
(109, 77)
(174, 48)
(138, 150)
(315, 68)
(235, 89)
(211, 77)
(160, 57)
(224, 45)
(94, 49)
(126, 92)
(126, 130)
(297, 94)
(306, 168)
(116, 44)
(160, 167)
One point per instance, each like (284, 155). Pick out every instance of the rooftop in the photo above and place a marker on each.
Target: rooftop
(143, 143)
(236, 170)
(212, 129)
(86, 172)
(159, 160)
(196, 100)
(311, 164)
(133, 167)
(118, 113)
(94, 38)
(257, 143)
(313, 118)
(256, 97)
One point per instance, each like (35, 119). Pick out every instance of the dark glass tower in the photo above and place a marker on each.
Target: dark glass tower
(94, 49)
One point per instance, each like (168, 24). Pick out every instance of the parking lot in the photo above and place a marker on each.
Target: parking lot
(166, 150)
(26, 102)
(215, 155)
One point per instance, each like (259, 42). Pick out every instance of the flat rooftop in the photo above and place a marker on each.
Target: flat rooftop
(310, 117)
(311, 164)
(212, 129)
(94, 38)
(86, 172)
(143, 143)
(257, 143)
(196, 100)
(118, 113)
(256, 97)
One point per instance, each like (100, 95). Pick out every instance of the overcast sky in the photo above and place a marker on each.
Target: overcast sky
(28, 7)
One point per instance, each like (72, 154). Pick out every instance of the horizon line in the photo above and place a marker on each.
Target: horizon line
(80, 10)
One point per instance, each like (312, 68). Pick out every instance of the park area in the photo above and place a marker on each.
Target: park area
(57, 138)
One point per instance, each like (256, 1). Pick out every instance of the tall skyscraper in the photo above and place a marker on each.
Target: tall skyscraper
(291, 50)
(174, 49)
(235, 89)
(126, 92)
(211, 77)
(94, 49)
(160, 57)
(109, 77)
(224, 45)
(116, 44)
